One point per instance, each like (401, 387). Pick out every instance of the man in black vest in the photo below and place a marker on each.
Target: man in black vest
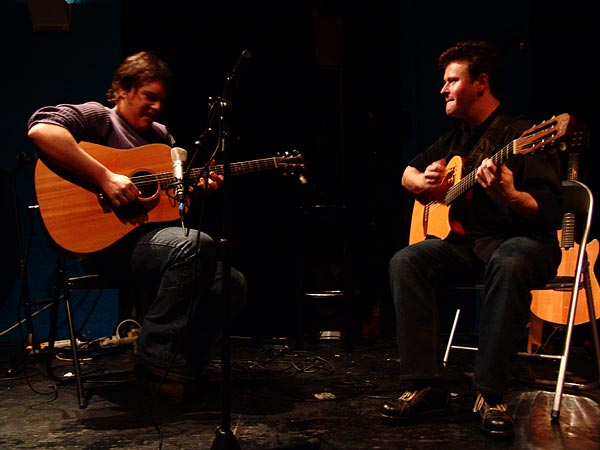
(502, 231)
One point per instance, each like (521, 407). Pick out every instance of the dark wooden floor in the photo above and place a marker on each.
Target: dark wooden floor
(321, 397)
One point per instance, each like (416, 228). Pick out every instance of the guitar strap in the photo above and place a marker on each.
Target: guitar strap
(487, 142)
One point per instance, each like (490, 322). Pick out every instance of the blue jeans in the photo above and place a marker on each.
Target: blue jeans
(185, 319)
(420, 273)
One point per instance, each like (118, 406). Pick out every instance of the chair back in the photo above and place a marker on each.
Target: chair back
(579, 200)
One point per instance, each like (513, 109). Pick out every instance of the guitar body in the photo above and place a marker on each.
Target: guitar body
(433, 218)
(77, 216)
(553, 306)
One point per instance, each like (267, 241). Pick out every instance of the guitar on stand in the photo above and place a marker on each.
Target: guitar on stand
(552, 305)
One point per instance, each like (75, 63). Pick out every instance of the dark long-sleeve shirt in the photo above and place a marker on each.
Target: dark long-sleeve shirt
(485, 223)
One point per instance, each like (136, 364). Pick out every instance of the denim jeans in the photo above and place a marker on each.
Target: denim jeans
(420, 274)
(185, 319)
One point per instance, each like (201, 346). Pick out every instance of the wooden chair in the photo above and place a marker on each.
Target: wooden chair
(578, 200)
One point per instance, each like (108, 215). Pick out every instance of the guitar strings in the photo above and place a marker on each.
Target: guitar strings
(236, 168)
(465, 183)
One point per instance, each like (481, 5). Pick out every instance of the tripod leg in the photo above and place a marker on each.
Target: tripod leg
(31, 343)
(225, 439)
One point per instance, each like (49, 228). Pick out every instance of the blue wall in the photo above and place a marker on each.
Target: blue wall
(39, 68)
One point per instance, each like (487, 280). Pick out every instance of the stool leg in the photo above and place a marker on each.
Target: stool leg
(73, 338)
(74, 351)
(451, 337)
(53, 327)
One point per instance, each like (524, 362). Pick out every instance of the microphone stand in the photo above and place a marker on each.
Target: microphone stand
(225, 439)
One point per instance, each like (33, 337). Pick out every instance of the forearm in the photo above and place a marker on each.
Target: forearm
(522, 203)
(412, 180)
(58, 146)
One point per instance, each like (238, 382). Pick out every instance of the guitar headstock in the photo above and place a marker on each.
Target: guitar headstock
(291, 163)
(578, 139)
(547, 132)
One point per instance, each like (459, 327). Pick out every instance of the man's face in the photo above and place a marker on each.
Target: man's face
(459, 91)
(142, 106)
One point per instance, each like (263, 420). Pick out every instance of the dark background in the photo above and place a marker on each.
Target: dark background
(354, 89)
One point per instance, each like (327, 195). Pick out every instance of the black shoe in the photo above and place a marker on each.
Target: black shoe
(495, 420)
(416, 404)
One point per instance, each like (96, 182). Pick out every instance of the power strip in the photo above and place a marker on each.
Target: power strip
(104, 342)
(116, 340)
(60, 344)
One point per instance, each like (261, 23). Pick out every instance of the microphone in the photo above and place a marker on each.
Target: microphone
(179, 157)
(246, 55)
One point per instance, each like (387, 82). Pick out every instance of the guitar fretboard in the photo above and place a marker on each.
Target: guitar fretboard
(530, 141)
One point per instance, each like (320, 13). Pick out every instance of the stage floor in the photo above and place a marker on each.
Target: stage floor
(320, 397)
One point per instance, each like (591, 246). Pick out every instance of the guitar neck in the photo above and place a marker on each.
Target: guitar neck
(531, 140)
(468, 181)
(237, 168)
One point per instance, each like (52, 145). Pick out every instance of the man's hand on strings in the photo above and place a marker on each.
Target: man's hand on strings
(120, 190)
(498, 181)
(434, 175)
(215, 180)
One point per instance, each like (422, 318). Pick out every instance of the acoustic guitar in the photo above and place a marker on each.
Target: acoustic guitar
(432, 216)
(551, 305)
(80, 219)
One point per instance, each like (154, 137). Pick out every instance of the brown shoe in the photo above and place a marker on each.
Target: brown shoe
(168, 390)
(495, 420)
(416, 404)
(177, 374)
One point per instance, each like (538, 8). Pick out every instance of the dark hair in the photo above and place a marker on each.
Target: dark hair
(138, 69)
(482, 58)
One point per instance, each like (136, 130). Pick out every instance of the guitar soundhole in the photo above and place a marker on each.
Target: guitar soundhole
(146, 182)
(148, 185)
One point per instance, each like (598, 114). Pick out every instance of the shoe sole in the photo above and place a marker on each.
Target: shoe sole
(160, 373)
(417, 418)
(498, 434)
